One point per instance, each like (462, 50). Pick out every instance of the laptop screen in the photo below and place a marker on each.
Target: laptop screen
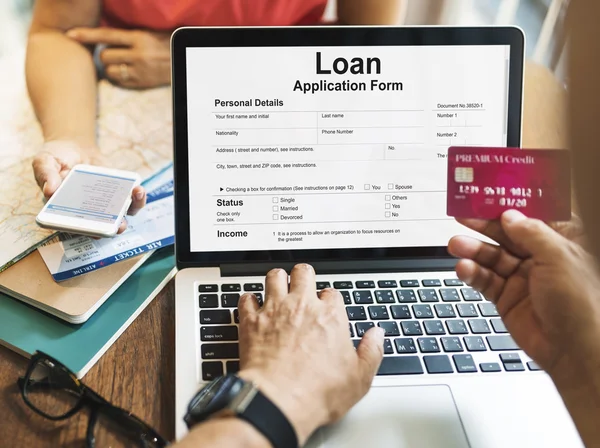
(334, 147)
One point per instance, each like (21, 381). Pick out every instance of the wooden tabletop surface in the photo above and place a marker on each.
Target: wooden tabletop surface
(138, 373)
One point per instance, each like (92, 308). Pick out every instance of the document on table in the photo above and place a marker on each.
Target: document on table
(334, 147)
(151, 229)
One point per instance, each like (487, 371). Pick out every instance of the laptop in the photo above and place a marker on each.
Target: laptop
(328, 145)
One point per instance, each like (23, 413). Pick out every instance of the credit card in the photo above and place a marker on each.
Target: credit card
(484, 182)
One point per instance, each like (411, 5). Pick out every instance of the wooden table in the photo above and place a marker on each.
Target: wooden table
(138, 373)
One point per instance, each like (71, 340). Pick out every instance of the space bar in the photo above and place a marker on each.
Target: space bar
(400, 365)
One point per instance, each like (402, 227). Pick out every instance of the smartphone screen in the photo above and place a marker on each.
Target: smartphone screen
(91, 196)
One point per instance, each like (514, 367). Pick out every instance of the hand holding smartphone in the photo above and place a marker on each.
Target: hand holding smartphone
(90, 201)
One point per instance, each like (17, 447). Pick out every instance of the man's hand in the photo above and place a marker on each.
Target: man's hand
(545, 288)
(297, 349)
(56, 158)
(132, 58)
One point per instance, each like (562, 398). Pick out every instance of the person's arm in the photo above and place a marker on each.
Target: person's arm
(60, 72)
(368, 12)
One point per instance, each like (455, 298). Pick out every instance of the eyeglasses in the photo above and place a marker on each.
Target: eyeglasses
(53, 391)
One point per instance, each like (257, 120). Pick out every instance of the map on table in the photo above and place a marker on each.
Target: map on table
(134, 133)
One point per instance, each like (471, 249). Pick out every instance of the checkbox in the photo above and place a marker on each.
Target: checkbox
(275, 208)
(388, 206)
(390, 186)
(275, 200)
(367, 187)
(388, 214)
(275, 217)
(388, 197)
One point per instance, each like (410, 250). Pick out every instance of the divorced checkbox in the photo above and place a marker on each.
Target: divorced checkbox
(390, 186)
(388, 197)
(388, 206)
(388, 214)
(275, 200)
(275, 208)
(367, 187)
(275, 217)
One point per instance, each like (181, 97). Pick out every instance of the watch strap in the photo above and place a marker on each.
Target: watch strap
(268, 419)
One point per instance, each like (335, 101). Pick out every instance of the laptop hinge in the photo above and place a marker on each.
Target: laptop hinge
(344, 267)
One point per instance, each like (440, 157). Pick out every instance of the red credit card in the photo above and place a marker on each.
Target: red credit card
(484, 182)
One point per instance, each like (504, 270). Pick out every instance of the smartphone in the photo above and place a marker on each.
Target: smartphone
(91, 201)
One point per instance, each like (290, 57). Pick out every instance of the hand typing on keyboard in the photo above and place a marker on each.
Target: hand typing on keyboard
(296, 349)
(545, 287)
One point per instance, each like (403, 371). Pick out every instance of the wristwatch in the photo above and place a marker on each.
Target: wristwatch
(230, 395)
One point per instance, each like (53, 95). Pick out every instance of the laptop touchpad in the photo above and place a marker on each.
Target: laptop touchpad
(398, 417)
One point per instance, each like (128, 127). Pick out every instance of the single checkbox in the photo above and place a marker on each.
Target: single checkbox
(390, 186)
(367, 187)
(275, 200)
(388, 206)
(388, 214)
(275, 217)
(388, 197)
(275, 208)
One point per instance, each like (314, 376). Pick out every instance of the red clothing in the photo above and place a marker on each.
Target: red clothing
(166, 15)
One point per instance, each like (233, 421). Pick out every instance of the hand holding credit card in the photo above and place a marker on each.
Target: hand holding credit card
(484, 182)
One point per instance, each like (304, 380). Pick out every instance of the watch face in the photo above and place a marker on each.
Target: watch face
(214, 397)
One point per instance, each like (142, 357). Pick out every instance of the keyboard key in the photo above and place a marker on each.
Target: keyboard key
(456, 326)
(428, 295)
(464, 363)
(362, 297)
(444, 310)
(253, 287)
(391, 328)
(501, 343)
(411, 328)
(356, 343)
(365, 284)
(231, 287)
(384, 296)
(409, 283)
(211, 370)
(388, 348)
(475, 343)
(387, 284)
(488, 309)
(208, 300)
(509, 357)
(422, 311)
(346, 296)
(259, 298)
(215, 317)
(400, 365)
(434, 327)
(363, 327)
(208, 288)
(356, 313)
(351, 330)
(220, 351)
(430, 283)
(400, 312)
(466, 310)
(479, 326)
(405, 345)
(232, 366)
(438, 364)
(236, 316)
(470, 295)
(343, 285)
(498, 326)
(219, 333)
(428, 345)
(378, 312)
(451, 345)
(449, 295)
(489, 367)
(323, 285)
(230, 300)
(514, 367)
(406, 296)
(452, 282)
(533, 366)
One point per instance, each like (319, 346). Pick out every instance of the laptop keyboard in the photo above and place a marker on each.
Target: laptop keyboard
(432, 326)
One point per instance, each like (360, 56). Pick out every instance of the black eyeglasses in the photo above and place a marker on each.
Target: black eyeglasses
(53, 391)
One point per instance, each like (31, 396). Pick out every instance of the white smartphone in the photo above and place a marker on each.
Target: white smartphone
(91, 201)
